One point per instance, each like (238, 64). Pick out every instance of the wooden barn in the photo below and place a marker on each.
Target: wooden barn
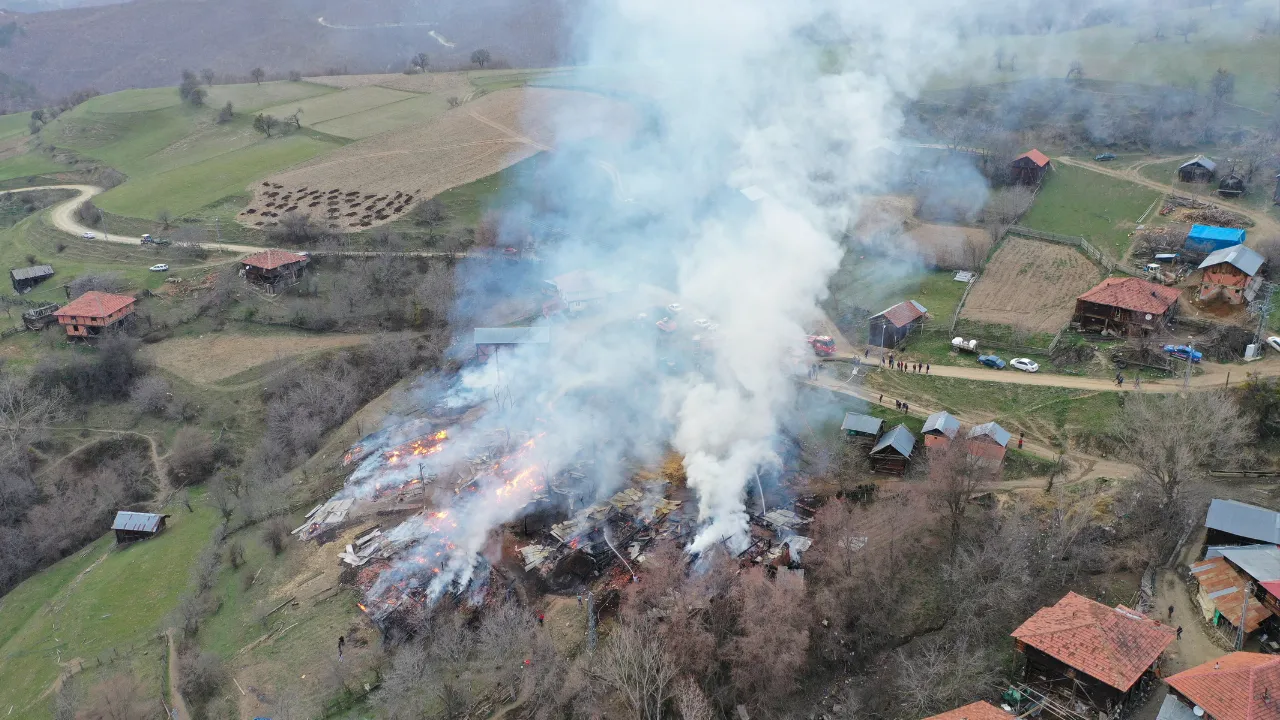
(1029, 167)
(862, 427)
(490, 340)
(1231, 274)
(1197, 169)
(94, 313)
(133, 526)
(25, 279)
(1231, 186)
(989, 442)
(1125, 307)
(893, 451)
(275, 270)
(940, 429)
(1083, 652)
(890, 327)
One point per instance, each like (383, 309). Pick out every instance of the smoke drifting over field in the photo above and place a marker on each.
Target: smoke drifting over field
(792, 102)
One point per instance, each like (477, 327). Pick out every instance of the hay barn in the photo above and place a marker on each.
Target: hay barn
(25, 279)
(1029, 167)
(1197, 169)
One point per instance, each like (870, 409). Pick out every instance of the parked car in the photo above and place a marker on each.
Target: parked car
(1185, 352)
(160, 268)
(1025, 364)
(702, 323)
(666, 325)
(992, 361)
(88, 236)
(675, 307)
(1104, 157)
(1274, 342)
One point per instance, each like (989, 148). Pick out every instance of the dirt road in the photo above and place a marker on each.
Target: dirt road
(175, 697)
(1195, 647)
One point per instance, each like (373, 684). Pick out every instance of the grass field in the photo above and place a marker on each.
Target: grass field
(415, 109)
(27, 165)
(330, 106)
(1102, 209)
(873, 287)
(68, 614)
(14, 124)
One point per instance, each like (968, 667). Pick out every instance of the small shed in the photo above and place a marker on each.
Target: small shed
(1231, 186)
(1207, 238)
(940, 429)
(1231, 522)
(1197, 169)
(24, 279)
(1231, 274)
(860, 426)
(1029, 167)
(491, 340)
(989, 441)
(893, 451)
(890, 327)
(274, 269)
(133, 526)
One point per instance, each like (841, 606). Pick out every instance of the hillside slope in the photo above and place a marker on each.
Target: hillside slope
(146, 43)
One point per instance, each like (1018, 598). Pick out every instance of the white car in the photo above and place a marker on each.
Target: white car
(1025, 364)
(160, 268)
(88, 236)
(1274, 342)
(702, 323)
(675, 307)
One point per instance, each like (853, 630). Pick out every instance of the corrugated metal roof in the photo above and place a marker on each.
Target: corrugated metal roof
(1260, 562)
(1174, 709)
(513, 336)
(942, 422)
(993, 431)
(28, 273)
(136, 521)
(1246, 259)
(1237, 518)
(904, 313)
(1202, 161)
(1226, 588)
(900, 438)
(861, 423)
(1213, 232)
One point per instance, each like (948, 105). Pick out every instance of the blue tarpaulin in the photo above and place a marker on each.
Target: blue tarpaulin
(1207, 238)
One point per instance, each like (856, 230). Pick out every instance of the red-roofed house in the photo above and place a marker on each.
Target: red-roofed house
(1239, 686)
(891, 326)
(1126, 306)
(974, 711)
(1029, 167)
(1088, 652)
(91, 314)
(276, 269)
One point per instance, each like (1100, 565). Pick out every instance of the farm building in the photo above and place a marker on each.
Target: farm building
(274, 269)
(1197, 169)
(1029, 167)
(893, 451)
(579, 290)
(24, 279)
(1236, 686)
(861, 426)
(38, 318)
(1231, 522)
(1261, 563)
(890, 327)
(989, 441)
(1221, 595)
(1085, 652)
(1125, 306)
(1231, 274)
(1231, 186)
(974, 711)
(1208, 238)
(940, 429)
(133, 526)
(93, 313)
(490, 340)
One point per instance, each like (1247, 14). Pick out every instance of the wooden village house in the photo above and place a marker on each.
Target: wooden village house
(989, 442)
(974, 711)
(940, 429)
(1236, 686)
(1197, 169)
(133, 526)
(1029, 167)
(1084, 652)
(1231, 274)
(490, 340)
(1125, 306)
(890, 327)
(25, 279)
(892, 453)
(275, 270)
(94, 313)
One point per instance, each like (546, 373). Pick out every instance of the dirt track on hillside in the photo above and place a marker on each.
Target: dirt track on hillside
(208, 359)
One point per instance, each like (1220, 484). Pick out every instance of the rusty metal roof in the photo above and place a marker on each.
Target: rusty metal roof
(1226, 589)
(904, 313)
(137, 522)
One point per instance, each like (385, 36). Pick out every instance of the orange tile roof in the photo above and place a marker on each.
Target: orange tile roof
(1226, 590)
(1239, 686)
(272, 259)
(1115, 645)
(94, 304)
(1133, 294)
(974, 711)
(1034, 156)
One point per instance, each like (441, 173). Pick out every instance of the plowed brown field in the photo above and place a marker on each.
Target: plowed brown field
(1030, 285)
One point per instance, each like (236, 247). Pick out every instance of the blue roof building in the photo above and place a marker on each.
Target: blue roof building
(1208, 238)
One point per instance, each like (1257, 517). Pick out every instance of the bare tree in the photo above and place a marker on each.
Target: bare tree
(1187, 28)
(221, 497)
(480, 57)
(692, 702)
(119, 697)
(26, 412)
(257, 74)
(1075, 71)
(193, 458)
(164, 217)
(770, 649)
(942, 675)
(419, 61)
(635, 664)
(227, 112)
(956, 472)
(208, 76)
(150, 395)
(1222, 85)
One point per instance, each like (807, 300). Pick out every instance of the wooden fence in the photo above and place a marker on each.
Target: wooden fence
(1074, 241)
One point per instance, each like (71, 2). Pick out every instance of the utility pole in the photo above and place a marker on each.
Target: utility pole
(217, 228)
(1244, 615)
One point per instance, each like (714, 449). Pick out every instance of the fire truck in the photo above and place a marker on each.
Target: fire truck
(823, 345)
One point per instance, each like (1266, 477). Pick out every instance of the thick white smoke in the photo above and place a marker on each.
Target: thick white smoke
(790, 101)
